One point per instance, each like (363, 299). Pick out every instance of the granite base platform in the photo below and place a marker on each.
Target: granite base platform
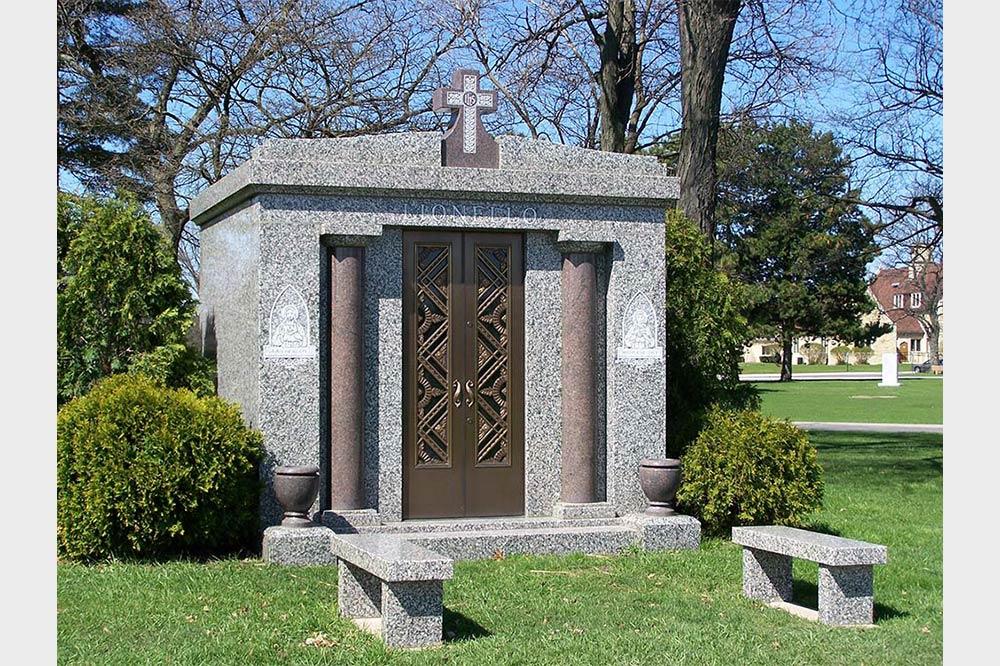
(484, 538)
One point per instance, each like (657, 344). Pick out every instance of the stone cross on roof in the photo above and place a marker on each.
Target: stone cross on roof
(467, 143)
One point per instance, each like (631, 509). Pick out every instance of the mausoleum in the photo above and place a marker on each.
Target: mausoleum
(451, 327)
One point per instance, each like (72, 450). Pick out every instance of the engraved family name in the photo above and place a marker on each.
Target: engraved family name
(472, 213)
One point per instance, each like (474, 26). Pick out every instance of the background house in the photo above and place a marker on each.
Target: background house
(909, 299)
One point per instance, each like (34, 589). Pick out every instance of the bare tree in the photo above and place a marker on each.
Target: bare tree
(163, 97)
(894, 129)
(607, 74)
(594, 74)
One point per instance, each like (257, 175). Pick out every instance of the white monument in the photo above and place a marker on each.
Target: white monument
(890, 370)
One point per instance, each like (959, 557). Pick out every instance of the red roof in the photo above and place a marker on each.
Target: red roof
(892, 281)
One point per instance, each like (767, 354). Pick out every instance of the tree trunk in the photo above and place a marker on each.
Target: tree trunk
(706, 30)
(932, 346)
(786, 357)
(617, 75)
(172, 217)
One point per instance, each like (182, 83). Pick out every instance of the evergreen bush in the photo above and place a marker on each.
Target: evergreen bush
(749, 469)
(706, 331)
(120, 291)
(177, 366)
(150, 472)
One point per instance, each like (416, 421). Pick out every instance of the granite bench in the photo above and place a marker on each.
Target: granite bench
(391, 587)
(845, 571)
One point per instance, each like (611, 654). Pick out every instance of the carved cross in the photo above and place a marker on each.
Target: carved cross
(466, 142)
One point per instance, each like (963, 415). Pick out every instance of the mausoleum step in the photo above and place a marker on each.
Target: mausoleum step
(486, 524)
(485, 544)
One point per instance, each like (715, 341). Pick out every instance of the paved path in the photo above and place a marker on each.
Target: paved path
(870, 427)
(827, 376)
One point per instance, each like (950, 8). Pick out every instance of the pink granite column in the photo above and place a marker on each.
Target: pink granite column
(579, 389)
(347, 398)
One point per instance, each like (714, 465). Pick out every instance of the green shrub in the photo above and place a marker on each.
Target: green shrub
(749, 469)
(841, 354)
(120, 291)
(146, 471)
(813, 352)
(177, 366)
(706, 332)
(863, 354)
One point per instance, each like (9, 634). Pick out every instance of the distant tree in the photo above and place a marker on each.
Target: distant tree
(798, 244)
(120, 292)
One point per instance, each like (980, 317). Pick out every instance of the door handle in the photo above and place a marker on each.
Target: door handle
(458, 393)
(468, 393)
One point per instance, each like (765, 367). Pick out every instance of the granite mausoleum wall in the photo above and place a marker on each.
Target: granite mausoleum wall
(268, 229)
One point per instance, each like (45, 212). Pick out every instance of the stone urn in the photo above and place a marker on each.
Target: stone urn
(660, 478)
(296, 488)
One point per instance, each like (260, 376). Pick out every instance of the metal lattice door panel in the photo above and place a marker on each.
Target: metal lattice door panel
(464, 374)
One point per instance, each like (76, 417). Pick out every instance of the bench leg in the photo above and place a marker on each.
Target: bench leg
(359, 594)
(411, 613)
(845, 595)
(767, 576)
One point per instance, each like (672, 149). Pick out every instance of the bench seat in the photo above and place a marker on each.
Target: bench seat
(814, 546)
(846, 595)
(391, 587)
(391, 558)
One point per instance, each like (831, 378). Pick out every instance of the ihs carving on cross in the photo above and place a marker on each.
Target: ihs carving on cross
(466, 142)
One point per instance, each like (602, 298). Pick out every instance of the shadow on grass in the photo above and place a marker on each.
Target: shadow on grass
(458, 627)
(806, 594)
(913, 456)
(823, 528)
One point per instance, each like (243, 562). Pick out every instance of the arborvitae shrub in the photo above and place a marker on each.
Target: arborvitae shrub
(177, 366)
(145, 471)
(749, 469)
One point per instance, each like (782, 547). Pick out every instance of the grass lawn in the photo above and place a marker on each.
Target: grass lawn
(675, 607)
(862, 401)
(774, 369)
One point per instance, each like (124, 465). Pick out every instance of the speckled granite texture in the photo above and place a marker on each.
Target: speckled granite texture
(391, 558)
(665, 532)
(485, 544)
(846, 595)
(349, 522)
(485, 524)
(297, 546)
(395, 580)
(767, 576)
(268, 225)
(573, 510)
(435, 542)
(372, 166)
(412, 613)
(359, 593)
(822, 548)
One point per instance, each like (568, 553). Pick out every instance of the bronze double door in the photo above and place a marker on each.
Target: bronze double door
(463, 370)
